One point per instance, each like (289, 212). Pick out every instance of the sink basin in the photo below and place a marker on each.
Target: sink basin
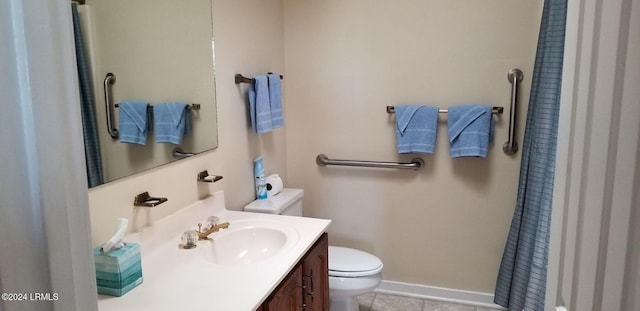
(250, 241)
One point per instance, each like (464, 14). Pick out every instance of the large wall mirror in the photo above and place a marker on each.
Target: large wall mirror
(159, 51)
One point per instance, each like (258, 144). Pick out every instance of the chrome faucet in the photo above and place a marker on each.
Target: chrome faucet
(205, 235)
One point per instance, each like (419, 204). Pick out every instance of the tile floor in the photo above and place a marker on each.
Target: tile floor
(385, 302)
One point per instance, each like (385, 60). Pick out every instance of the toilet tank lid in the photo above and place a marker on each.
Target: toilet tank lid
(277, 203)
(345, 259)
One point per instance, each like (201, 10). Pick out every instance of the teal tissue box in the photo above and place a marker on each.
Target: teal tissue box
(119, 271)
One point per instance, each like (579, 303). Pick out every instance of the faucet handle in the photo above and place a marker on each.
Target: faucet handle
(189, 239)
(211, 222)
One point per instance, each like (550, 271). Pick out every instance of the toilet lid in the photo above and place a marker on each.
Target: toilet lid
(349, 262)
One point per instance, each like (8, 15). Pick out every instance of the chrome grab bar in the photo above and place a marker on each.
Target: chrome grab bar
(514, 76)
(109, 80)
(415, 164)
(178, 153)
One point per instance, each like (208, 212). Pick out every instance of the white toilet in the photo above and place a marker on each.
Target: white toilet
(351, 272)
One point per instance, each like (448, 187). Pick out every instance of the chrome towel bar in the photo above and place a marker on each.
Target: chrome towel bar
(238, 78)
(189, 107)
(515, 76)
(415, 164)
(494, 110)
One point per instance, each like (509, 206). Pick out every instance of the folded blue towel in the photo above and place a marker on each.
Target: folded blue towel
(135, 122)
(470, 130)
(416, 128)
(275, 100)
(173, 121)
(259, 106)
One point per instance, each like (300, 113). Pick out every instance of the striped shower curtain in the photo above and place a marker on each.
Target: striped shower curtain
(87, 107)
(523, 272)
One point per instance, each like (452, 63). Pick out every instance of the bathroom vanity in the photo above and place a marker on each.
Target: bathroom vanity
(307, 285)
(261, 262)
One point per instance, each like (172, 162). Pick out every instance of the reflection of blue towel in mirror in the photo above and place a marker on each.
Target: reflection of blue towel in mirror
(135, 122)
(470, 130)
(172, 122)
(416, 127)
(275, 100)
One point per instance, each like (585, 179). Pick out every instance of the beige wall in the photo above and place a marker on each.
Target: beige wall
(248, 40)
(446, 224)
(345, 61)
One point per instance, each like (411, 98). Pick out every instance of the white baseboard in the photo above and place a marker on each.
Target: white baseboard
(438, 293)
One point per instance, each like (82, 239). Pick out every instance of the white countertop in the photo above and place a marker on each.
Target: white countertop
(176, 278)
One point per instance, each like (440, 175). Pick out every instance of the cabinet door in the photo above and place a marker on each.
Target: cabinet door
(315, 270)
(288, 295)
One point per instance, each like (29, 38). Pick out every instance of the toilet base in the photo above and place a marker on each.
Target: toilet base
(343, 304)
(343, 291)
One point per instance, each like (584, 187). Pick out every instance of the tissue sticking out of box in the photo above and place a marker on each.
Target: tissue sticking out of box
(115, 242)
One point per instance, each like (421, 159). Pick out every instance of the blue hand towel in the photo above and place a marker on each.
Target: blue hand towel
(259, 106)
(135, 122)
(470, 130)
(416, 128)
(275, 100)
(173, 121)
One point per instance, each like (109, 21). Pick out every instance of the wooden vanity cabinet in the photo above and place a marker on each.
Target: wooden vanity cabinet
(288, 295)
(315, 274)
(306, 287)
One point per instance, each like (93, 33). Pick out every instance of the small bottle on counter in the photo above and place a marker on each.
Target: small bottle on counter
(261, 183)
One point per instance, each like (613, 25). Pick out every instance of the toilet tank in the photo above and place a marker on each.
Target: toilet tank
(287, 202)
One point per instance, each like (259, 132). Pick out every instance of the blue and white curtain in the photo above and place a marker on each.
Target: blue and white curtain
(87, 106)
(523, 272)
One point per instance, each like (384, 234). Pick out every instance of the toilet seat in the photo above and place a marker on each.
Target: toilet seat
(349, 262)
